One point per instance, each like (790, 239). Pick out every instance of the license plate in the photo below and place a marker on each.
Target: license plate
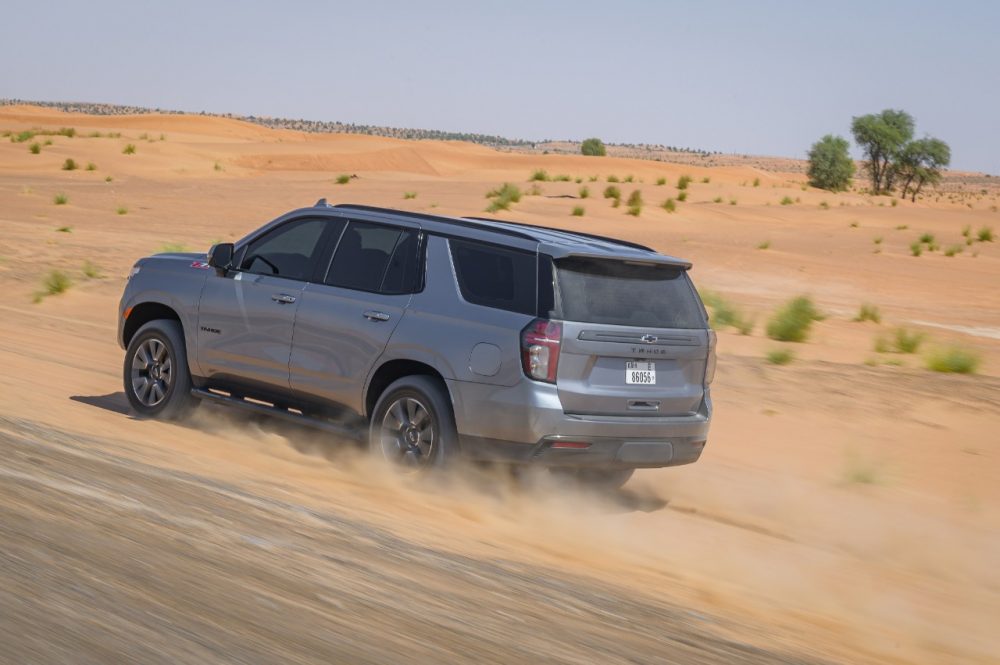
(641, 372)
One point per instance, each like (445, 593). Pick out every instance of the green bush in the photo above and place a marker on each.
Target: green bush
(612, 178)
(706, 180)
(593, 147)
(91, 270)
(900, 340)
(69, 165)
(64, 229)
(67, 131)
(824, 205)
(869, 313)
(723, 314)
(786, 201)
(682, 195)
(792, 322)
(916, 249)
(129, 149)
(764, 245)
(539, 175)
(683, 182)
(953, 359)
(578, 211)
(56, 282)
(343, 179)
(953, 250)
(756, 182)
(985, 234)
(121, 210)
(409, 195)
(628, 178)
(35, 148)
(635, 203)
(660, 182)
(732, 202)
(60, 199)
(503, 197)
(780, 356)
(91, 166)
(562, 177)
(927, 238)
(830, 164)
(669, 205)
(612, 192)
(584, 192)
(717, 199)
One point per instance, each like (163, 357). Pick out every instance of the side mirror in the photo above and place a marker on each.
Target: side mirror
(220, 257)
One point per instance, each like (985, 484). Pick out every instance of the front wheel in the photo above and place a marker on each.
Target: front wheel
(156, 374)
(412, 425)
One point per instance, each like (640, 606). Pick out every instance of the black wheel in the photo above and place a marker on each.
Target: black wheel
(412, 424)
(156, 374)
(605, 480)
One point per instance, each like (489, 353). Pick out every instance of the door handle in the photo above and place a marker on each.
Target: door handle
(372, 315)
(283, 298)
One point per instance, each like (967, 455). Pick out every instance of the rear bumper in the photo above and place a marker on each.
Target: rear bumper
(525, 423)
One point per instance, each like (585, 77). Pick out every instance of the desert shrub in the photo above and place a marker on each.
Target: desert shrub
(69, 165)
(953, 250)
(56, 282)
(779, 356)
(985, 234)
(869, 313)
(108, 178)
(60, 199)
(121, 210)
(578, 211)
(732, 202)
(129, 149)
(91, 166)
(584, 192)
(628, 178)
(343, 179)
(877, 240)
(916, 248)
(902, 227)
(217, 166)
(895, 203)
(858, 471)
(91, 270)
(593, 147)
(706, 180)
(578, 180)
(144, 136)
(669, 205)
(535, 190)
(409, 195)
(503, 197)
(683, 182)
(64, 229)
(682, 195)
(830, 165)
(792, 322)
(824, 205)
(562, 177)
(612, 192)
(635, 203)
(764, 245)
(900, 340)
(717, 199)
(786, 201)
(953, 359)
(35, 148)
(615, 203)
(67, 131)
(756, 182)
(21, 137)
(927, 238)
(723, 314)
(660, 182)
(612, 178)
(593, 178)
(967, 231)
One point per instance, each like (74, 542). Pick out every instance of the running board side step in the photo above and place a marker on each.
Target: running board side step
(339, 429)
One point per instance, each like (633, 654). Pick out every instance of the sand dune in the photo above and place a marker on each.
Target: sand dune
(842, 510)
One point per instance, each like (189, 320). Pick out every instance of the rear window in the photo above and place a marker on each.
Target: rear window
(494, 276)
(625, 294)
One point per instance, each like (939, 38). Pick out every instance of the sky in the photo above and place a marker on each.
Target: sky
(763, 77)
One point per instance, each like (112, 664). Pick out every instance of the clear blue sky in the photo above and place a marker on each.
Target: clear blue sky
(760, 77)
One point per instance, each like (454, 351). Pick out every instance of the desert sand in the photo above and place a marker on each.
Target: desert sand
(846, 509)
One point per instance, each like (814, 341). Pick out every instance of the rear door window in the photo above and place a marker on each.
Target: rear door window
(626, 294)
(375, 258)
(494, 276)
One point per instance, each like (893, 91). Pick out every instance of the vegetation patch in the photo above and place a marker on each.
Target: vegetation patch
(539, 175)
(129, 149)
(953, 359)
(683, 182)
(899, 340)
(635, 203)
(793, 321)
(868, 312)
(409, 195)
(69, 165)
(578, 211)
(343, 179)
(60, 199)
(503, 197)
(780, 356)
(723, 314)
(612, 192)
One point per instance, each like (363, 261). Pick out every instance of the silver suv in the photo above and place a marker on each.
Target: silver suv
(431, 338)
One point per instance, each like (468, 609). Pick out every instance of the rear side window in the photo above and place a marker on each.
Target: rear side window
(626, 294)
(376, 258)
(495, 276)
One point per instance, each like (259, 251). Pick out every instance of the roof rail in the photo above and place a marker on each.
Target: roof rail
(464, 222)
(592, 236)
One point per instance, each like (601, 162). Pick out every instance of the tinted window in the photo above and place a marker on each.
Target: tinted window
(620, 293)
(372, 257)
(495, 276)
(286, 251)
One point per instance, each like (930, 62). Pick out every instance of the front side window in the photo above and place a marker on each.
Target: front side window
(493, 276)
(375, 258)
(286, 251)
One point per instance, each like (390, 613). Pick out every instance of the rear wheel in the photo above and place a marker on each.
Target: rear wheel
(412, 425)
(156, 375)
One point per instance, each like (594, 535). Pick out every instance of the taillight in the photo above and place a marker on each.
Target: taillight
(710, 362)
(540, 342)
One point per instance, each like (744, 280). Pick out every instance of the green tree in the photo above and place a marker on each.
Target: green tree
(882, 137)
(593, 148)
(830, 167)
(920, 162)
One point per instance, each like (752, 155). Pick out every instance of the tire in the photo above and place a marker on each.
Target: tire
(412, 425)
(155, 373)
(602, 480)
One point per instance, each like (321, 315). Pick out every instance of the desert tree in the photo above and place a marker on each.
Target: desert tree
(830, 165)
(920, 162)
(882, 137)
(593, 147)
